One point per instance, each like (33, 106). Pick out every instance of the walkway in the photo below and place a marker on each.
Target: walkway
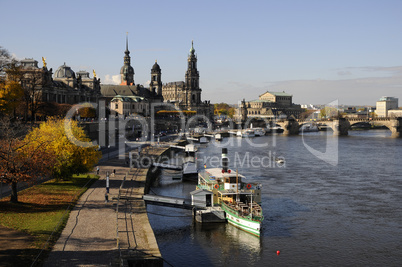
(90, 236)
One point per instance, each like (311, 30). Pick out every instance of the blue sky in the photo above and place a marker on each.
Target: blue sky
(319, 51)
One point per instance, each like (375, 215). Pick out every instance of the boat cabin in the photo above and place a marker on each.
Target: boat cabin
(201, 198)
(228, 186)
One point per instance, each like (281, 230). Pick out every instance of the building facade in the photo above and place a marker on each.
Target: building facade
(129, 105)
(385, 104)
(186, 95)
(271, 105)
(63, 88)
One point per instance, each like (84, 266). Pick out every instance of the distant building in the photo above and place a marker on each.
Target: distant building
(270, 105)
(184, 95)
(187, 95)
(385, 104)
(129, 105)
(64, 87)
(129, 98)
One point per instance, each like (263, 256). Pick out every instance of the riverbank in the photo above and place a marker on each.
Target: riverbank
(111, 229)
(30, 228)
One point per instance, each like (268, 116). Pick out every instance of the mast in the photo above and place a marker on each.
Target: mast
(251, 207)
(237, 185)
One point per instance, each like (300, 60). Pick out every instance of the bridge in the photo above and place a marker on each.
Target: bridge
(341, 126)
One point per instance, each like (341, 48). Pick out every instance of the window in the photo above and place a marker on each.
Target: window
(117, 106)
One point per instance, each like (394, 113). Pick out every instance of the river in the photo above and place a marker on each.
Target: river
(340, 208)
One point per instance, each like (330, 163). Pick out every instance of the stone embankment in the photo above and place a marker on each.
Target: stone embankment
(111, 229)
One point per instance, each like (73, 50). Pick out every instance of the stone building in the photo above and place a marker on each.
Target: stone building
(134, 97)
(186, 95)
(272, 105)
(64, 87)
(129, 105)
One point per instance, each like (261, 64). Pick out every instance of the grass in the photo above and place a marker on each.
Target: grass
(41, 211)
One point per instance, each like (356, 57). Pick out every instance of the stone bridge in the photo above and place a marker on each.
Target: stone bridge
(341, 126)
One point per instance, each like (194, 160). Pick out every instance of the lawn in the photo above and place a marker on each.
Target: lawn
(43, 211)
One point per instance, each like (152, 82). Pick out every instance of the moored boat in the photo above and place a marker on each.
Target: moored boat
(240, 200)
(259, 131)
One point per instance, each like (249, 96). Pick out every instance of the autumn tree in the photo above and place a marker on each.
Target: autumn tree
(10, 94)
(66, 140)
(224, 109)
(329, 112)
(21, 160)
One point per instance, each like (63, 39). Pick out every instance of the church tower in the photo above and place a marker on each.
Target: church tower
(127, 72)
(193, 78)
(156, 79)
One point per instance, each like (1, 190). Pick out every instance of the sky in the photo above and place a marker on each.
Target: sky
(319, 51)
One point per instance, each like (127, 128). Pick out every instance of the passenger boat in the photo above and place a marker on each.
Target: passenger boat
(246, 133)
(239, 200)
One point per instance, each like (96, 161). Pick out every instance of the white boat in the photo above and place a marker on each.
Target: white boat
(259, 131)
(280, 160)
(239, 200)
(245, 133)
(218, 137)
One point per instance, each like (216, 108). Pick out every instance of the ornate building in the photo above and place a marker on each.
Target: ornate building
(64, 87)
(272, 105)
(187, 95)
(184, 95)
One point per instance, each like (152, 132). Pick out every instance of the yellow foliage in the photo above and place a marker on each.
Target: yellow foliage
(10, 94)
(70, 158)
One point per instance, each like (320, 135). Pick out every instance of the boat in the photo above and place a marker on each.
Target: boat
(280, 160)
(239, 200)
(259, 132)
(245, 133)
(218, 137)
(308, 128)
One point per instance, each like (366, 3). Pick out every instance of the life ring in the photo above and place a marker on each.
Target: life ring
(216, 186)
(248, 186)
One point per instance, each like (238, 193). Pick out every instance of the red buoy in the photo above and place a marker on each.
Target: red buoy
(278, 252)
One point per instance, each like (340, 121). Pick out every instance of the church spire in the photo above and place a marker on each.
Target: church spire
(127, 72)
(127, 43)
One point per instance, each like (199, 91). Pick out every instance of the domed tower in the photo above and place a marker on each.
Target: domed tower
(127, 72)
(65, 74)
(156, 79)
(193, 78)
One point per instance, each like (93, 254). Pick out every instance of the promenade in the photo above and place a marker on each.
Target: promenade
(96, 235)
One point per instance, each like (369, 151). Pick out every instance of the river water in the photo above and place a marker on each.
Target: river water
(335, 202)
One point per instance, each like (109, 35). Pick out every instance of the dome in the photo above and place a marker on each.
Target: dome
(156, 67)
(64, 72)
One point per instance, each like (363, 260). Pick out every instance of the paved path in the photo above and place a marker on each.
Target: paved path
(90, 236)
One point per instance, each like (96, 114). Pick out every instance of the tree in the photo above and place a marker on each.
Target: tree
(330, 113)
(69, 157)
(224, 109)
(10, 95)
(87, 112)
(20, 160)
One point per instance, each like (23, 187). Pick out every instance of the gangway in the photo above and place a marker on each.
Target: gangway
(173, 202)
